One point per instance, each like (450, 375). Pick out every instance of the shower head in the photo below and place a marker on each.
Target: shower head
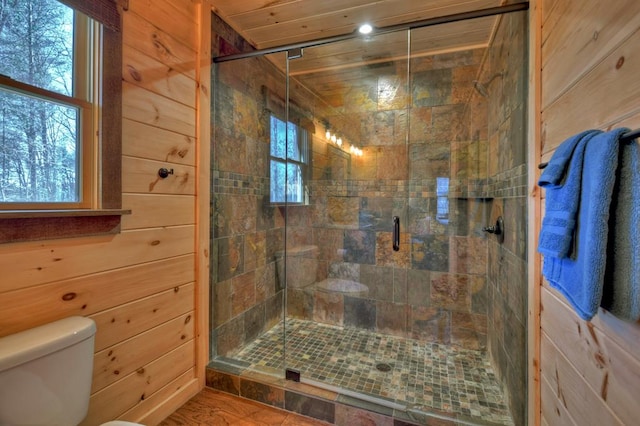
(482, 87)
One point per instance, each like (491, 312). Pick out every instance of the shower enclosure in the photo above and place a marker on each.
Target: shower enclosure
(354, 184)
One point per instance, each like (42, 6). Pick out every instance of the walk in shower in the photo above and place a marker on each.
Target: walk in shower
(354, 185)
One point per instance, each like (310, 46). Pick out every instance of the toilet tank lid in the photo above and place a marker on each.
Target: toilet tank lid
(37, 342)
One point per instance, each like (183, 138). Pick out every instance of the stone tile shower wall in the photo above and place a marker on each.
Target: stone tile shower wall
(507, 274)
(434, 288)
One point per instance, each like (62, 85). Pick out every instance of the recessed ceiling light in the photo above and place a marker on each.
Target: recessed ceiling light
(365, 29)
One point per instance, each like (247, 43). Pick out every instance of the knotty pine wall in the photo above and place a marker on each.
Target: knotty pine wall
(590, 371)
(144, 286)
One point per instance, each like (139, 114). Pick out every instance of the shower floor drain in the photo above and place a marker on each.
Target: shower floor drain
(384, 367)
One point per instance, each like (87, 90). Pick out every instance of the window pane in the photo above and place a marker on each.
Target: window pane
(293, 149)
(442, 186)
(36, 44)
(278, 180)
(304, 146)
(278, 138)
(443, 208)
(38, 150)
(294, 183)
(284, 140)
(442, 191)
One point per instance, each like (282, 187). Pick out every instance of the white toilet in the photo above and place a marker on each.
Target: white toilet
(45, 374)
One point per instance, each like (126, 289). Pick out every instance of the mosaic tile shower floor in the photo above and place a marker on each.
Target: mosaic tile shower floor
(422, 376)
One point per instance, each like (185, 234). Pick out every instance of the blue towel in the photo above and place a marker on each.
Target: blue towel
(562, 179)
(580, 277)
(621, 293)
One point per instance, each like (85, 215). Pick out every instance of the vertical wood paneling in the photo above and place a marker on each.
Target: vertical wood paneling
(553, 411)
(131, 319)
(152, 410)
(590, 370)
(150, 210)
(156, 110)
(144, 71)
(89, 294)
(171, 17)
(143, 178)
(581, 401)
(109, 402)
(157, 144)
(203, 187)
(148, 39)
(114, 362)
(533, 213)
(584, 32)
(139, 286)
(52, 261)
(606, 94)
(611, 372)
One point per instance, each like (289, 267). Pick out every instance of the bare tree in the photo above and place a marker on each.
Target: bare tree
(37, 138)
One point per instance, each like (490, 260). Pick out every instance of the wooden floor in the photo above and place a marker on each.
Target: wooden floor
(212, 408)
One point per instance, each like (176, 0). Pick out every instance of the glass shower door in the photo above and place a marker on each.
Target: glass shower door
(348, 250)
(248, 213)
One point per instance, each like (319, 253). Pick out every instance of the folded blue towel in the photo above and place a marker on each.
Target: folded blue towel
(562, 179)
(580, 277)
(621, 293)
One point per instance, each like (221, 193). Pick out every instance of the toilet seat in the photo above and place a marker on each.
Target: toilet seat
(120, 423)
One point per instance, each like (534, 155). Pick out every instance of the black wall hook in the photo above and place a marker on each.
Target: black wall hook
(163, 172)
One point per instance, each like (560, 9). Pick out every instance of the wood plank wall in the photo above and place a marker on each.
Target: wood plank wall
(590, 371)
(146, 287)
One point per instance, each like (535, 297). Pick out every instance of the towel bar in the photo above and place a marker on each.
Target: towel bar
(626, 137)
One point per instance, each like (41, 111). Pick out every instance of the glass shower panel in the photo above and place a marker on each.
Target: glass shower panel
(447, 172)
(467, 144)
(248, 218)
(346, 285)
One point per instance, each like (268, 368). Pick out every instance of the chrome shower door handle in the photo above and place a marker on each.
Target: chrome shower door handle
(396, 233)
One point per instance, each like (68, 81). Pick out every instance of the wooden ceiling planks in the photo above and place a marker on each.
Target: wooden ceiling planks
(455, 36)
(269, 23)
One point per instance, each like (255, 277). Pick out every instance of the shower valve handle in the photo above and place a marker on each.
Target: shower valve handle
(491, 229)
(497, 229)
(396, 233)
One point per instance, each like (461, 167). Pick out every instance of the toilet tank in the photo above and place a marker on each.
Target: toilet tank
(46, 372)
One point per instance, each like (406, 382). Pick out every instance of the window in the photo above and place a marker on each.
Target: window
(60, 138)
(442, 192)
(47, 118)
(289, 162)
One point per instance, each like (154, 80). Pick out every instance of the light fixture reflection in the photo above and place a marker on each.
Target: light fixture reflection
(365, 29)
(355, 151)
(337, 140)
